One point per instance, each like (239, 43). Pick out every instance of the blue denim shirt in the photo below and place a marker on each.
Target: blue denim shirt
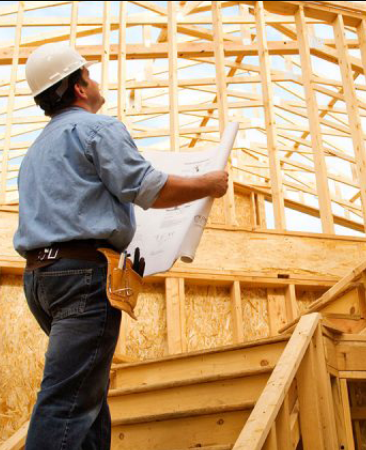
(79, 180)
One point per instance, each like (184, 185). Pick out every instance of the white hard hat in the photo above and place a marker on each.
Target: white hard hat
(51, 63)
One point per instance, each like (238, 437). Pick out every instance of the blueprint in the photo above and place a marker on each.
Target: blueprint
(165, 235)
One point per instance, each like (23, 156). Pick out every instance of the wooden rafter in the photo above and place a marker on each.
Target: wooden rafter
(215, 62)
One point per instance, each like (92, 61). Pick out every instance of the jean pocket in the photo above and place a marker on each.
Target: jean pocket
(64, 293)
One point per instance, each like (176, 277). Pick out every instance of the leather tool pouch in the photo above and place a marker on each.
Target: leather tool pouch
(123, 285)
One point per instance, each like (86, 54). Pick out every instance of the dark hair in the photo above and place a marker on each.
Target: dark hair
(52, 101)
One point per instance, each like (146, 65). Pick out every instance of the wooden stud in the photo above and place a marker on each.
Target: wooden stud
(324, 393)
(338, 412)
(347, 415)
(17, 440)
(74, 23)
(271, 441)
(11, 102)
(276, 177)
(253, 211)
(229, 201)
(122, 100)
(174, 320)
(311, 432)
(220, 67)
(149, 66)
(106, 54)
(261, 213)
(283, 426)
(173, 77)
(352, 108)
(292, 309)
(315, 130)
(237, 312)
(182, 312)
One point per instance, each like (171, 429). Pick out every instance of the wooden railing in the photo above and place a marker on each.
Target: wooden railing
(297, 400)
(17, 441)
(358, 274)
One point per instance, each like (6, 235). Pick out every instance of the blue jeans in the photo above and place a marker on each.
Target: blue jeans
(68, 300)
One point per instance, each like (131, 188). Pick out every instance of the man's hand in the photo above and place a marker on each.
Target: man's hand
(217, 182)
(179, 190)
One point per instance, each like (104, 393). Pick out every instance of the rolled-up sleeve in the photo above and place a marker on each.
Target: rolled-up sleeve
(122, 169)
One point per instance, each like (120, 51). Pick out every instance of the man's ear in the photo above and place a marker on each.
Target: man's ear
(79, 90)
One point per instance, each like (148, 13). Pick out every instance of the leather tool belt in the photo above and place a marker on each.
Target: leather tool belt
(123, 285)
(78, 249)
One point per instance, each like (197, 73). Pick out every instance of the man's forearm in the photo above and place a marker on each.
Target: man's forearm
(179, 190)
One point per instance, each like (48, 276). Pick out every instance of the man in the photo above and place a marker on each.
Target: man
(77, 186)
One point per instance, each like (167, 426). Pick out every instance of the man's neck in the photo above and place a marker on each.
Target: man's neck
(83, 105)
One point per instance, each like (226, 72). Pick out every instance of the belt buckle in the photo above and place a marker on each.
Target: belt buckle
(48, 253)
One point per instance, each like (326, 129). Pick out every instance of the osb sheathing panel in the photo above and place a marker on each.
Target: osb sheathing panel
(8, 226)
(217, 214)
(255, 313)
(147, 337)
(208, 317)
(242, 211)
(305, 298)
(264, 252)
(22, 348)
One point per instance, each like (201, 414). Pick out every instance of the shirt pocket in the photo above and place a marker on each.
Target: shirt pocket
(64, 293)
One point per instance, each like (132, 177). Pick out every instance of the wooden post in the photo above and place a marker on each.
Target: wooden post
(253, 211)
(352, 108)
(182, 312)
(311, 431)
(292, 309)
(11, 102)
(173, 77)
(326, 406)
(347, 415)
(261, 211)
(362, 295)
(283, 426)
(237, 312)
(271, 441)
(148, 67)
(229, 199)
(220, 65)
(122, 98)
(105, 54)
(174, 309)
(338, 412)
(257, 211)
(274, 164)
(74, 23)
(325, 206)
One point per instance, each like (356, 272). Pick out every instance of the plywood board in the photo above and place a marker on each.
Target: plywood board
(255, 313)
(22, 348)
(266, 252)
(208, 317)
(146, 338)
